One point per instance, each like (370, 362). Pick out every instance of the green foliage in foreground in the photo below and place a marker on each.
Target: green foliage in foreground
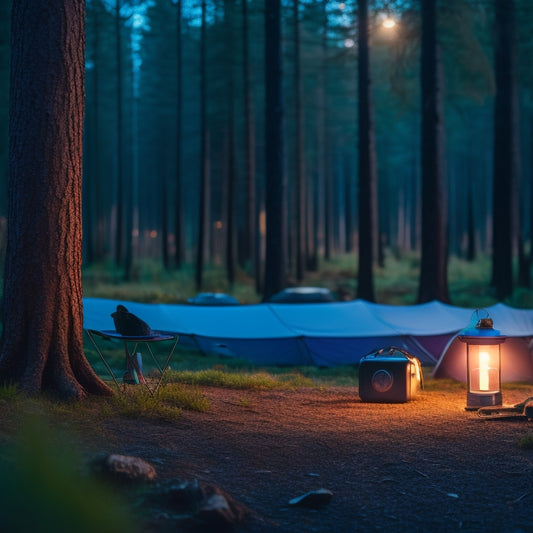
(42, 489)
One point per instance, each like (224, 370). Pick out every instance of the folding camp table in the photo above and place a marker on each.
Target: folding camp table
(147, 340)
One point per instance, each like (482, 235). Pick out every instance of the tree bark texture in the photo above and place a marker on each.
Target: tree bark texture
(300, 177)
(231, 190)
(368, 223)
(433, 269)
(42, 348)
(119, 176)
(505, 148)
(179, 218)
(203, 208)
(275, 206)
(251, 243)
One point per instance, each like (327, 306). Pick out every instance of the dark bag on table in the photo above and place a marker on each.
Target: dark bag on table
(128, 324)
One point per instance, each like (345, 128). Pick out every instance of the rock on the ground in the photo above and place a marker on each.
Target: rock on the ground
(313, 499)
(193, 504)
(124, 468)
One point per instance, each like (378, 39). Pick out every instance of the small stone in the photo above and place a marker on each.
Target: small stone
(176, 495)
(127, 468)
(313, 499)
(220, 510)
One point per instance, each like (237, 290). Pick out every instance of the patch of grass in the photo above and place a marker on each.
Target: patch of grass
(186, 397)
(244, 402)
(238, 380)
(151, 283)
(396, 282)
(432, 384)
(166, 404)
(526, 442)
(8, 392)
(334, 376)
(139, 403)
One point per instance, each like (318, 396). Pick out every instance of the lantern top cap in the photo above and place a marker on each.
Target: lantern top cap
(480, 326)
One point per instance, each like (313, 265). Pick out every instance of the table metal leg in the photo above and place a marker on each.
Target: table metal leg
(163, 370)
(90, 335)
(130, 355)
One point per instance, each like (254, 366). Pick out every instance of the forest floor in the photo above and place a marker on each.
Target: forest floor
(423, 466)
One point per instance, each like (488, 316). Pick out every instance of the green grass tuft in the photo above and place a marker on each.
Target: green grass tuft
(7, 392)
(167, 404)
(526, 442)
(186, 397)
(238, 380)
(140, 404)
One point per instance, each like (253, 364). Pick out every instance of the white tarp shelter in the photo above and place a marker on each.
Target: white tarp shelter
(322, 334)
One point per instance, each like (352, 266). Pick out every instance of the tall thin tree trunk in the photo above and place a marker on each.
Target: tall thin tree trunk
(203, 209)
(433, 269)
(300, 192)
(320, 195)
(328, 212)
(231, 191)
(367, 200)
(179, 216)
(164, 215)
(97, 236)
(119, 195)
(505, 148)
(275, 260)
(250, 241)
(348, 215)
(131, 200)
(470, 224)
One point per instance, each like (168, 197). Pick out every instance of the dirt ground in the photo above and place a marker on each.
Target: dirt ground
(426, 465)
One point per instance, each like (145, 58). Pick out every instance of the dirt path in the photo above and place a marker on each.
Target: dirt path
(427, 465)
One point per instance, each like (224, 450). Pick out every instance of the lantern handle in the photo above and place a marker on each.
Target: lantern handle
(481, 322)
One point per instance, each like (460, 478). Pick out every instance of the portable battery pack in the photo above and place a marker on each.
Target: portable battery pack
(390, 375)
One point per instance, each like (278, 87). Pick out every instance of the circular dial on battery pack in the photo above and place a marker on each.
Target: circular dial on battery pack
(382, 380)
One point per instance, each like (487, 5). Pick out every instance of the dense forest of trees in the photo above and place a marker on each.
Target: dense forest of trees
(182, 150)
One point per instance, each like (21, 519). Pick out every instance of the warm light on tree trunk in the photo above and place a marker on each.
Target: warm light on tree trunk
(42, 348)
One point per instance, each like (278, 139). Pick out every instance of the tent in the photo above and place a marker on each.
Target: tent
(516, 353)
(321, 334)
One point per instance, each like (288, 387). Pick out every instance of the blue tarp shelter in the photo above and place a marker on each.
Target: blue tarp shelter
(327, 334)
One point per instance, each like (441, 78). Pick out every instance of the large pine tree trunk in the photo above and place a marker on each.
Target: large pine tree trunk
(42, 345)
(368, 222)
(433, 269)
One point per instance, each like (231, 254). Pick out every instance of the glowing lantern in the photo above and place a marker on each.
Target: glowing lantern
(483, 362)
(389, 22)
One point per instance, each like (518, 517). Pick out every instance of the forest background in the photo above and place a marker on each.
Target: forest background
(174, 155)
